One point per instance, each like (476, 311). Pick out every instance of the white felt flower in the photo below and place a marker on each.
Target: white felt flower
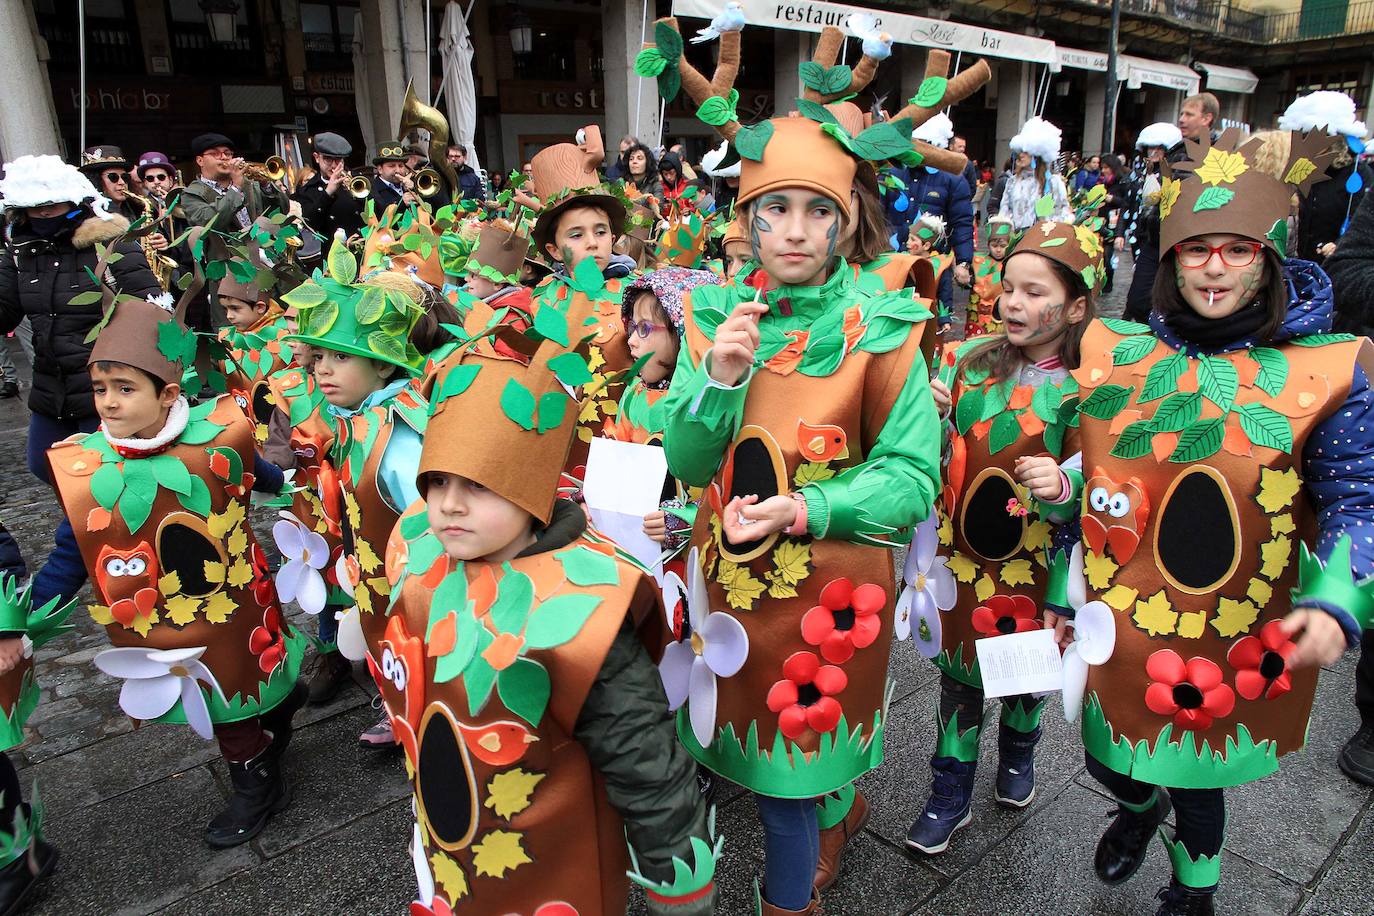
(717, 647)
(1094, 636)
(155, 679)
(424, 878)
(350, 641)
(929, 588)
(299, 579)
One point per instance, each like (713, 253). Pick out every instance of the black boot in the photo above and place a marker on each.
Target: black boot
(1178, 900)
(1356, 759)
(1122, 848)
(328, 676)
(1015, 767)
(278, 720)
(20, 877)
(260, 790)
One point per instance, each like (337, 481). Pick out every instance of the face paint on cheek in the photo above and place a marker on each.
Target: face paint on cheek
(1049, 324)
(757, 225)
(1178, 275)
(1252, 279)
(832, 236)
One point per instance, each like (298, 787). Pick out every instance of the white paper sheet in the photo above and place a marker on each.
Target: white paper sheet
(624, 483)
(1019, 663)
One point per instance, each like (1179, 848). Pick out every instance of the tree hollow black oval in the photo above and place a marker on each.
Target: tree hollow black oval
(444, 782)
(184, 547)
(1196, 540)
(990, 530)
(756, 469)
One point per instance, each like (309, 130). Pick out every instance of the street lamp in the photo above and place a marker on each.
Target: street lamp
(221, 18)
(521, 35)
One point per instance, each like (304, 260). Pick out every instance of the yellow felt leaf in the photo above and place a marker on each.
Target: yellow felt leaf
(1119, 597)
(100, 614)
(143, 624)
(1017, 572)
(1299, 171)
(594, 359)
(237, 543)
(1099, 568)
(1156, 615)
(498, 852)
(448, 875)
(1037, 536)
(169, 584)
(1282, 524)
(964, 569)
(1260, 592)
(1221, 167)
(379, 586)
(1169, 190)
(363, 598)
(584, 434)
(985, 588)
(214, 571)
(367, 557)
(219, 607)
(509, 793)
(240, 574)
(779, 589)
(1190, 625)
(1276, 554)
(1277, 489)
(1234, 617)
(741, 588)
(355, 515)
(260, 432)
(182, 609)
(810, 472)
(221, 523)
(792, 561)
(946, 531)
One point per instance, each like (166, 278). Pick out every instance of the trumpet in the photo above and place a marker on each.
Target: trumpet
(428, 182)
(360, 186)
(273, 170)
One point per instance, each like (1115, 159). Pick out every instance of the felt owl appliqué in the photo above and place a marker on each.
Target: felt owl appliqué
(1115, 515)
(128, 581)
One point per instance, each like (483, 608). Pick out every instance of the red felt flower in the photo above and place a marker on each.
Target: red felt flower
(1003, 614)
(845, 620)
(805, 697)
(1261, 663)
(1191, 692)
(266, 642)
(264, 590)
(437, 907)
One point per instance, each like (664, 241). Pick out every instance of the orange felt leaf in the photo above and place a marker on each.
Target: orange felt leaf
(503, 651)
(853, 326)
(980, 429)
(443, 636)
(1163, 445)
(1247, 370)
(219, 465)
(1236, 442)
(482, 591)
(785, 361)
(1030, 421)
(432, 577)
(98, 519)
(1020, 397)
(1122, 420)
(1187, 382)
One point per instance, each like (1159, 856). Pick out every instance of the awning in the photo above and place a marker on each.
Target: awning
(806, 16)
(1157, 73)
(1081, 60)
(1228, 79)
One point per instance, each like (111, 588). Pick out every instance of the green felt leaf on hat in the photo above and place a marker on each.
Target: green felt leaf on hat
(584, 566)
(751, 141)
(457, 380)
(394, 324)
(1278, 234)
(571, 369)
(1266, 427)
(198, 500)
(517, 402)
(1134, 441)
(1133, 349)
(717, 111)
(1089, 275)
(553, 407)
(816, 112)
(836, 79)
(669, 83)
(215, 270)
(1054, 242)
(243, 271)
(1163, 377)
(1006, 429)
(321, 318)
(1213, 199)
(668, 40)
(1199, 441)
(308, 295)
(175, 343)
(840, 135)
(1178, 412)
(1273, 369)
(524, 687)
(514, 600)
(370, 306)
(106, 484)
(1106, 401)
(388, 347)
(343, 266)
(650, 62)
(171, 473)
(1044, 207)
(931, 92)
(140, 489)
(558, 620)
(1217, 380)
(884, 140)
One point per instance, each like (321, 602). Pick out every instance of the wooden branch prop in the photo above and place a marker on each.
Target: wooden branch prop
(957, 89)
(723, 80)
(942, 159)
(827, 52)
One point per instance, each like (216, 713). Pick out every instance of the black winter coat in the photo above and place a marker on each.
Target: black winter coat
(1322, 212)
(1351, 268)
(326, 213)
(38, 278)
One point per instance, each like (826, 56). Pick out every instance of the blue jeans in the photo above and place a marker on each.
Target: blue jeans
(64, 572)
(329, 626)
(792, 844)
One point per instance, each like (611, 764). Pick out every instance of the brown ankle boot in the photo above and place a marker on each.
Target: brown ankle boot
(835, 839)
(812, 909)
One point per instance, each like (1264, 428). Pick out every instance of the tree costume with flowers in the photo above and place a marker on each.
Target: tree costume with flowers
(1209, 471)
(502, 679)
(984, 317)
(254, 355)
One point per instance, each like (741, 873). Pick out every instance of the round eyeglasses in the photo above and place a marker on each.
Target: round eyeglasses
(1197, 254)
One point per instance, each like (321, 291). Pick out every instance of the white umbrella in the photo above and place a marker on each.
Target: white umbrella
(361, 101)
(458, 89)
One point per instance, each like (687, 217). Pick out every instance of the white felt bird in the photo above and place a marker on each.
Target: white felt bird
(877, 44)
(730, 19)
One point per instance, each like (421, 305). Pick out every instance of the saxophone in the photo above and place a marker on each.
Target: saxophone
(161, 265)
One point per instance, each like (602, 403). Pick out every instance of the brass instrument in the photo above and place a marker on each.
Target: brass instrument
(161, 265)
(273, 170)
(415, 113)
(428, 182)
(360, 186)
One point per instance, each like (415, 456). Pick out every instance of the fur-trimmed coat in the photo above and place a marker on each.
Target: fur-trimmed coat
(38, 278)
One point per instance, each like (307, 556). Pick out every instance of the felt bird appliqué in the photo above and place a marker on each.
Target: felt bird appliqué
(1116, 515)
(864, 26)
(730, 19)
(821, 443)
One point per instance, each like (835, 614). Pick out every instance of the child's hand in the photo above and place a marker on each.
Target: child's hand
(656, 526)
(1322, 640)
(1040, 474)
(940, 392)
(11, 653)
(732, 354)
(1063, 630)
(746, 519)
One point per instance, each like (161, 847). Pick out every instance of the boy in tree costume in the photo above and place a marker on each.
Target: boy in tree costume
(253, 338)
(1218, 442)
(493, 267)
(532, 719)
(983, 316)
(159, 498)
(801, 402)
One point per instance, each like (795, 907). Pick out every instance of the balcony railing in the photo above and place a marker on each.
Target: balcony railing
(1318, 18)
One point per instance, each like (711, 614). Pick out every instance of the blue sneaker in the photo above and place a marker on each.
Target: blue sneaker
(1015, 767)
(948, 809)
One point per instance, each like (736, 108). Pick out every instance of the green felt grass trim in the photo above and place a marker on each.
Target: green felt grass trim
(1333, 583)
(951, 662)
(950, 742)
(28, 827)
(1022, 718)
(834, 808)
(687, 879)
(1201, 873)
(12, 726)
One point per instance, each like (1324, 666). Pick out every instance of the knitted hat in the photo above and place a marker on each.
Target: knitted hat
(566, 173)
(371, 319)
(669, 285)
(35, 181)
(147, 335)
(499, 251)
(1227, 194)
(1078, 248)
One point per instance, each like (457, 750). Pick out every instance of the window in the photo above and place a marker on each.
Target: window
(328, 32)
(112, 46)
(195, 54)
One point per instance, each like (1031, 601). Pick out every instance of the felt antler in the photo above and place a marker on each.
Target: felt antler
(827, 52)
(721, 82)
(937, 92)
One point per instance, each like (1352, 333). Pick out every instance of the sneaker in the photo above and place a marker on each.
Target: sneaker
(329, 673)
(1178, 900)
(1121, 851)
(379, 737)
(1015, 767)
(1356, 758)
(949, 809)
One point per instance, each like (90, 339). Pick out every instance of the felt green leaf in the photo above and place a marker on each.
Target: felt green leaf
(1199, 441)
(840, 136)
(1217, 380)
(1089, 275)
(668, 40)
(1106, 401)
(1006, 429)
(458, 379)
(553, 407)
(998, 397)
(90, 297)
(1133, 349)
(320, 319)
(717, 111)
(517, 403)
(571, 369)
(467, 636)
(812, 75)
(1321, 340)
(1134, 441)
(969, 409)
(235, 472)
(215, 270)
(816, 111)
(394, 324)
(836, 79)
(1278, 234)
(388, 347)
(199, 432)
(584, 566)
(931, 92)
(343, 267)
(514, 597)
(524, 687)
(140, 489)
(243, 271)
(171, 474)
(558, 620)
(650, 62)
(370, 306)
(1045, 402)
(479, 676)
(751, 140)
(106, 484)
(669, 82)
(1213, 199)
(884, 140)
(1124, 326)
(422, 555)
(1163, 376)
(1266, 427)
(173, 340)
(1177, 412)
(197, 501)
(1273, 370)
(1054, 242)
(1053, 437)
(1044, 207)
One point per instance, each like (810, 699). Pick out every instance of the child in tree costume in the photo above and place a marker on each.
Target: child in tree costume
(1005, 396)
(159, 498)
(824, 390)
(531, 716)
(1218, 442)
(493, 267)
(365, 367)
(983, 316)
(256, 350)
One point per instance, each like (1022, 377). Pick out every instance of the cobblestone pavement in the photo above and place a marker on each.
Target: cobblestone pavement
(126, 806)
